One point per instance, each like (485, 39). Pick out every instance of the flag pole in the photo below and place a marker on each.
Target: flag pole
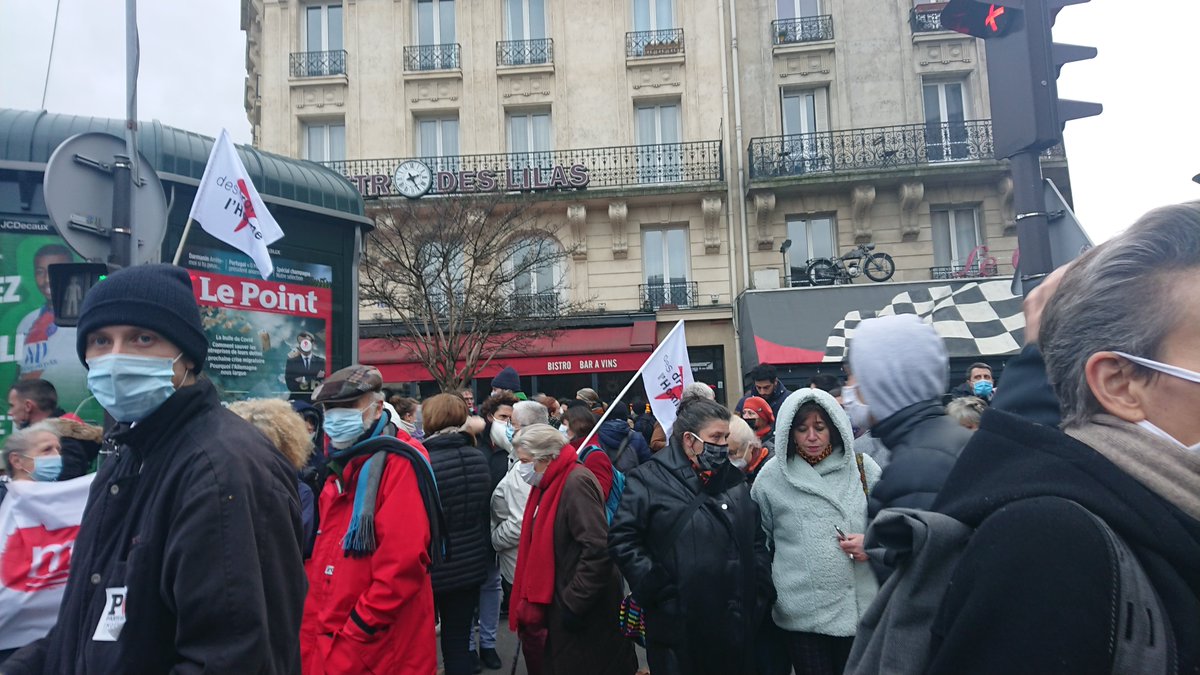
(624, 391)
(182, 240)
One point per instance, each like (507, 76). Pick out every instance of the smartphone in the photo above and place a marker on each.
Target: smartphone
(840, 534)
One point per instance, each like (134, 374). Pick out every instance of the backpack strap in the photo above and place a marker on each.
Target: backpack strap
(862, 472)
(624, 444)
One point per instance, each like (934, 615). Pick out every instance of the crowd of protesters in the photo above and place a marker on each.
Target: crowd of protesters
(348, 533)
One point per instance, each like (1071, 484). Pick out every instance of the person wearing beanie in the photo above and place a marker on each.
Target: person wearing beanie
(758, 414)
(507, 381)
(188, 556)
(906, 412)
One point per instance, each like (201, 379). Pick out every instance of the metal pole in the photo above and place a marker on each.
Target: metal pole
(1033, 229)
(122, 233)
(132, 57)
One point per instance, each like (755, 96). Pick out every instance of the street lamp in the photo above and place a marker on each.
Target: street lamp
(783, 249)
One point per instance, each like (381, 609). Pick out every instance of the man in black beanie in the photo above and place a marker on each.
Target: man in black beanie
(189, 554)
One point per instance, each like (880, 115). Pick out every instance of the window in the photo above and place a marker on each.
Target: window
(435, 22)
(955, 235)
(653, 15)
(444, 268)
(529, 137)
(804, 115)
(660, 159)
(535, 282)
(665, 257)
(323, 28)
(796, 9)
(812, 237)
(945, 116)
(325, 142)
(526, 19)
(437, 137)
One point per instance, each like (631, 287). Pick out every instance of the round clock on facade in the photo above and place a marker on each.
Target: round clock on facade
(413, 178)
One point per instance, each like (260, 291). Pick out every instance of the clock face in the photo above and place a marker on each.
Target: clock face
(412, 179)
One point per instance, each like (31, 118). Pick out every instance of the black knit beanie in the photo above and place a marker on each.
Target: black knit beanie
(157, 297)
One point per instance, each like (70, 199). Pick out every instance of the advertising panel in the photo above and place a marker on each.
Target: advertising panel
(267, 339)
(31, 344)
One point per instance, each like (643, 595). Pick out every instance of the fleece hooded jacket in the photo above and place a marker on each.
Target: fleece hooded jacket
(820, 590)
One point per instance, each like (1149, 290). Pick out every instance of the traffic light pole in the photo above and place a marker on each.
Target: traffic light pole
(1033, 227)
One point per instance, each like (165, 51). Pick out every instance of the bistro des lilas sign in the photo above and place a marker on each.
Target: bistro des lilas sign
(414, 179)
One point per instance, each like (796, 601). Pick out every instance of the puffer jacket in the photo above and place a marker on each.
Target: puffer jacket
(462, 477)
(706, 593)
(925, 444)
(820, 590)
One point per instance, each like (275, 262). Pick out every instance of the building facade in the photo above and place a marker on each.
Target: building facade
(677, 144)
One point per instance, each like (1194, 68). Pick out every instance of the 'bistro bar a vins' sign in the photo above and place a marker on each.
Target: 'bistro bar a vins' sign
(414, 179)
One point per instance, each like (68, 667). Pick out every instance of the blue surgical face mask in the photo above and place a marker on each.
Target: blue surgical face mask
(983, 388)
(46, 469)
(131, 387)
(344, 425)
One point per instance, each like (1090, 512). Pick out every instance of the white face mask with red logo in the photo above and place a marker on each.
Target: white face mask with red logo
(1173, 371)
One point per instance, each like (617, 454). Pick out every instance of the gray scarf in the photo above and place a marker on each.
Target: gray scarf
(1164, 468)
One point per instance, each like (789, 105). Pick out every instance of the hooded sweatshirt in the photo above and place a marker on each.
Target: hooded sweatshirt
(820, 590)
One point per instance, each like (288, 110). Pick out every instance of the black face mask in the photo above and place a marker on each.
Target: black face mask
(753, 422)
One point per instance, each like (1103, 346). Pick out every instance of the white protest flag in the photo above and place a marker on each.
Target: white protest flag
(228, 207)
(38, 526)
(665, 375)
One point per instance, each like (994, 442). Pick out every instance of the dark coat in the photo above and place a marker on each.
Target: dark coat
(462, 478)
(587, 585)
(612, 433)
(196, 515)
(775, 400)
(498, 459)
(705, 596)
(924, 444)
(1027, 392)
(80, 445)
(1029, 593)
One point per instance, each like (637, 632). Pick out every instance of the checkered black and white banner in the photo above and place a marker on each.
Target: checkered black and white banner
(977, 319)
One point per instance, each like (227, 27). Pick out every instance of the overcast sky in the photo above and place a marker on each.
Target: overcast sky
(1141, 153)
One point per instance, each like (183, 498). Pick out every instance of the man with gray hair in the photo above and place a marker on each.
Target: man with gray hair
(1121, 340)
(906, 413)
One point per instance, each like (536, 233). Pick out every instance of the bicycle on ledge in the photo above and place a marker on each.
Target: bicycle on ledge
(843, 269)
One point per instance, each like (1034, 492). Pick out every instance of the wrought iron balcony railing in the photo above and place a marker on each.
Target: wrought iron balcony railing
(524, 52)
(926, 18)
(654, 42)
(318, 64)
(669, 295)
(612, 167)
(432, 57)
(878, 148)
(802, 29)
(534, 304)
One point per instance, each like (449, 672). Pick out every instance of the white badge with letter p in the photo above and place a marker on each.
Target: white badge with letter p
(112, 620)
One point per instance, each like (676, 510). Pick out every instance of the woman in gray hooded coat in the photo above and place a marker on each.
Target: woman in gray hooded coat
(812, 496)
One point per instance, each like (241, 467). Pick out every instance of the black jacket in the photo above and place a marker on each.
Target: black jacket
(775, 400)
(196, 516)
(497, 457)
(1029, 593)
(462, 479)
(705, 596)
(1027, 392)
(80, 445)
(924, 444)
(612, 433)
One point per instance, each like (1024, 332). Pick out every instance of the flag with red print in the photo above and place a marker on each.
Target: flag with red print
(38, 526)
(665, 375)
(229, 208)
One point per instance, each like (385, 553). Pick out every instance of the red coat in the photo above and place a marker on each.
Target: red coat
(389, 591)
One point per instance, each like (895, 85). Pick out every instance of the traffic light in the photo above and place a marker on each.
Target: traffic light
(69, 283)
(1023, 67)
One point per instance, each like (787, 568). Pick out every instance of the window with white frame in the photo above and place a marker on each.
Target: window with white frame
(435, 22)
(529, 137)
(536, 276)
(805, 113)
(955, 234)
(813, 236)
(653, 15)
(946, 135)
(437, 136)
(525, 19)
(323, 28)
(325, 141)
(658, 132)
(797, 9)
(665, 258)
(444, 269)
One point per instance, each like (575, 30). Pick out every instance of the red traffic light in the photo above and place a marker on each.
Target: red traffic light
(980, 19)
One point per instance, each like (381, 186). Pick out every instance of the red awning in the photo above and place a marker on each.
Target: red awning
(580, 350)
(780, 355)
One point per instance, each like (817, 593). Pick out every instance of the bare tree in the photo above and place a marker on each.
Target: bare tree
(467, 277)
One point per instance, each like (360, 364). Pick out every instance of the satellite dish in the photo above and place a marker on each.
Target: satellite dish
(78, 189)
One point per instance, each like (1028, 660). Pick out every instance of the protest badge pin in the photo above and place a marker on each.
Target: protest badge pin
(112, 620)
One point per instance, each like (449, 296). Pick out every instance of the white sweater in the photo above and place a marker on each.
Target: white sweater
(508, 511)
(820, 590)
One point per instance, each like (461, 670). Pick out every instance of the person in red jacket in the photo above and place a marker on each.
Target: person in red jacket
(370, 599)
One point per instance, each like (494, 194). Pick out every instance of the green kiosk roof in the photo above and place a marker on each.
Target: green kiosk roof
(32, 135)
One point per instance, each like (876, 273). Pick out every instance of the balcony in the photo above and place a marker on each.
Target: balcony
(666, 296)
(873, 149)
(926, 18)
(534, 304)
(654, 43)
(628, 166)
(423, 58)
(318, 64)
(525, 52)
(803, 29)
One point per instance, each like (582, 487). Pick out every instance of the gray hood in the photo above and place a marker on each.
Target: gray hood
(787, 413)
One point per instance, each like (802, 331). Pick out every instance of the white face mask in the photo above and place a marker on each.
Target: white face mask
(500, 436)
(859, 412)
(1173, 371)
(528, 473)
(740, 463)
